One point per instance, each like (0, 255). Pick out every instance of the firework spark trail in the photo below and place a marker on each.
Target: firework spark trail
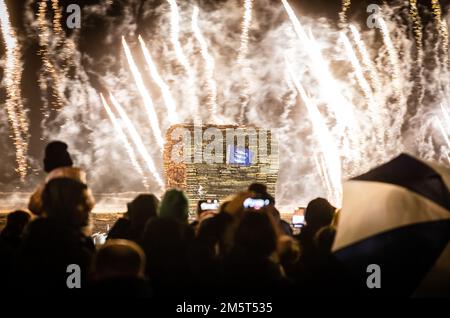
(49, 67)
(374, 111)
(329, 89)
(209, 65)
(321, 170)
(343, 14)
(290, 101)
(137, 140)
(446, 116)
(400, 112)
(12, 78)
(148, 103)
(367, 62)
(182, 59)
(242, 59)
(56, 17)
(122, 136)
(444, 133)
(442, 28)
(327, 144)
(418, 36)
(167, 96)
(341, 107)
(15, 73)
(65, 47)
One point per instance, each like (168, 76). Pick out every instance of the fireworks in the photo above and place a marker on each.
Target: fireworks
(122, 136)
(370, 100)
(167, 96)
(396, 78)
(148, 102)
(209, 65)
(327, 144)
(49, 67)
(182, 59)
(241, 60)
(365, 101)
(442, 29)
(367, 62)
(137, 141)
(14, 107)
(342, 108)
(343, 14)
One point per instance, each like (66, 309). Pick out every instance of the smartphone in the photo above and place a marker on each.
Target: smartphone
(209, 205)
(298, 218)
(255, 204)
(298, 221)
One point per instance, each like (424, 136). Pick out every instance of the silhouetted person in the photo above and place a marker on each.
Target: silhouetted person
(132, 225)
(54, 242)
(10, 243)
(166, 244)
(324, 240)
(13, 230)
(318, 214)
(57, 164)
(282, 225)
(119, 270)
(251, 267)
(174, 204)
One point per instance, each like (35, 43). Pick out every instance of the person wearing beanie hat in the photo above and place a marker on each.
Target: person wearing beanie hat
(58, 164)
(56, 156)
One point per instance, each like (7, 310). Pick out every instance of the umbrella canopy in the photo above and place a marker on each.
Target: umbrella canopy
(397, 216)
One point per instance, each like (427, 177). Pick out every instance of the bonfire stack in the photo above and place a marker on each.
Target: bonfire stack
(217, 180)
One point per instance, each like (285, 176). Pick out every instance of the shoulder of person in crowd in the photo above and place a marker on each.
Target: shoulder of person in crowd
(67, 172)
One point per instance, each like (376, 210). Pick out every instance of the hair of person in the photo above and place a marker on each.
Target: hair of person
(174, 204)
(141, 209)
(16, 222)
(319, 213)
(119, 258)
(62, 198)
(256, 234)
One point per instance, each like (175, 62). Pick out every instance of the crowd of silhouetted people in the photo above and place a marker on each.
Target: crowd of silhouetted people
(155, 249)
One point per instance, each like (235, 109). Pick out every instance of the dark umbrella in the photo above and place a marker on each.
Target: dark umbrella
(397, 216)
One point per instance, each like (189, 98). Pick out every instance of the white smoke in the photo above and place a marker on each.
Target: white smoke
(84, 125)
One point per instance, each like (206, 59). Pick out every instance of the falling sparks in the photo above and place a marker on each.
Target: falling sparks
(418, 36)
(49, 67)
(327, 144)
(148, 102)
(338, 104)
(182, 59)
(209, 66)
(137, 141)
(396, 78)
(370, 100)
(343, 14)
(366, 60)
(242, 59)
(12, 78)
(442, 28)
(446, 116)
(167, 96)
(122, 136)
